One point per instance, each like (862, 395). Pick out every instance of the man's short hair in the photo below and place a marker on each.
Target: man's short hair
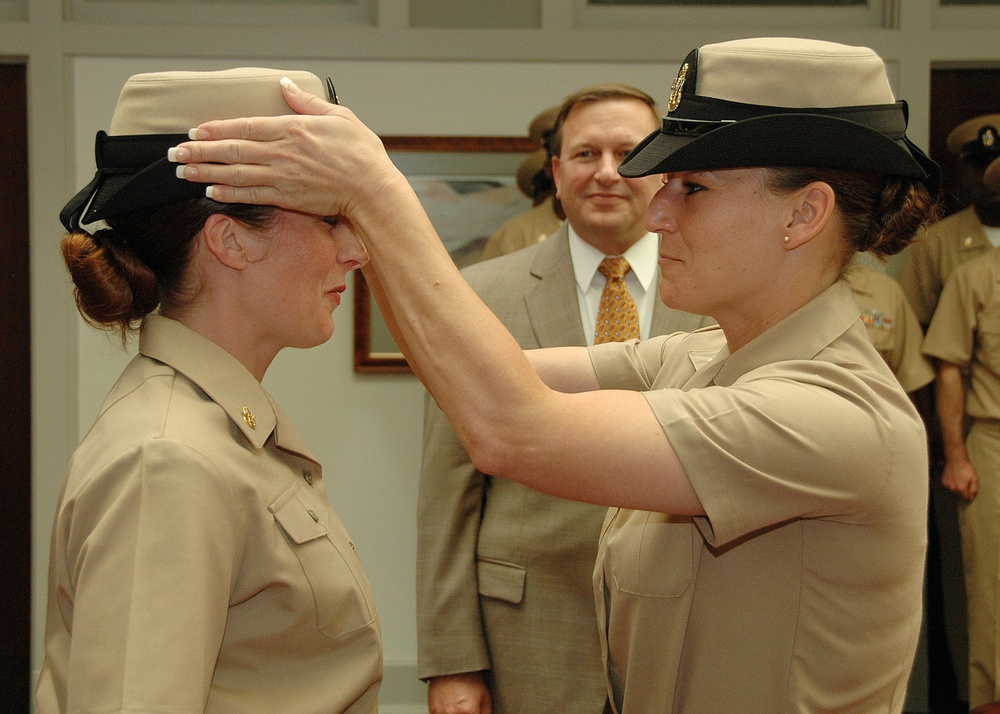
(603, 92)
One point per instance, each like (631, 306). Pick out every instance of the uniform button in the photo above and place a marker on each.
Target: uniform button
(307, 475)
(313, 515)
(967, 241)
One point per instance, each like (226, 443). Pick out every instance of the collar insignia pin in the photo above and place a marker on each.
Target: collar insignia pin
(248, 417)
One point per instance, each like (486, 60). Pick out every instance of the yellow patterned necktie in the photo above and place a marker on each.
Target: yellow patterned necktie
(617, 317)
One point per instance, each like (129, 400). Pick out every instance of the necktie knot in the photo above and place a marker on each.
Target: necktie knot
(614, 268)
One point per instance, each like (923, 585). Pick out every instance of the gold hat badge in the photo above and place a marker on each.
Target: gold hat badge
(675, 91)
(988, 137)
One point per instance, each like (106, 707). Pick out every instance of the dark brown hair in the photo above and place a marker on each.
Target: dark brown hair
(880, 214)
(140, 261)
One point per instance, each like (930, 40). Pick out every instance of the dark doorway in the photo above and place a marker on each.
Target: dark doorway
(15, 395)
(957, 95)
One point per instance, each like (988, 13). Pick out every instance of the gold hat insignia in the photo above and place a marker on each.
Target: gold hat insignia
(675, 91)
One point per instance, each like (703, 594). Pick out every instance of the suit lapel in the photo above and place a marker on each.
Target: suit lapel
(552, 305)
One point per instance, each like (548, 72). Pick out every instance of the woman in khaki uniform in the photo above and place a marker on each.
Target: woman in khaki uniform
(769, 475)
(196, 565)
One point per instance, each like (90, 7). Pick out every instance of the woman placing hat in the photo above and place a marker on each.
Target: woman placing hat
(196, 564)
(769, 475)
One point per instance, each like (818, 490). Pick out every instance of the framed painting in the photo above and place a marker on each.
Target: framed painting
(468, 187)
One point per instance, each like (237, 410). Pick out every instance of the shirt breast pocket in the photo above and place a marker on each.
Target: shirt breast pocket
(989, 341)
(329, 561)
(651, 557)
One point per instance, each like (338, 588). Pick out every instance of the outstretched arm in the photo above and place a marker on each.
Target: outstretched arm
(604, 447)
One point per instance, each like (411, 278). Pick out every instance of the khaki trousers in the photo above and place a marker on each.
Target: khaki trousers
(979, 522)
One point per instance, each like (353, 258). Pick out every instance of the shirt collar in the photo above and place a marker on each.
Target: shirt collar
(643, 257)
(223, 378)
(801, 335)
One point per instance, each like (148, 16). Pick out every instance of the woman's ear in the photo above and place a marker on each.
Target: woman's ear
(225, 240)
(810, 214)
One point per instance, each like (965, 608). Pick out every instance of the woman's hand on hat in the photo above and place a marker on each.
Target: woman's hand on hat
(322, 160)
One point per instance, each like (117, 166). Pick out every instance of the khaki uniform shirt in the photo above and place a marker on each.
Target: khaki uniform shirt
(801, 590)
(930, 260)
(891, 326)
(965, 331)
(196, 565)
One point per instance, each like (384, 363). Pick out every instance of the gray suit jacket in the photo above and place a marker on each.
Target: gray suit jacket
(504, 573)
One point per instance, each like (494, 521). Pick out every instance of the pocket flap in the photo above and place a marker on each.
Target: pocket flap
(504, 581)
(300, 522)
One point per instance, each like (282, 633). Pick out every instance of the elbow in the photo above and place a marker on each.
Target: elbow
(487, 456)
(492, 453)
(510, 441)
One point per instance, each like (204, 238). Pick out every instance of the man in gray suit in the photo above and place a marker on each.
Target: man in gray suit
(505, 602)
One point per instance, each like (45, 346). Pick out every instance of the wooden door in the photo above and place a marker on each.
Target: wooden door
(15, 396)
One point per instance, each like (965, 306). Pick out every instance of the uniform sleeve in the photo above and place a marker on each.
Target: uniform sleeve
(633, 365)
(911, 368)
(152, 545)
(951, 334)
(800, 442)
(450, 634)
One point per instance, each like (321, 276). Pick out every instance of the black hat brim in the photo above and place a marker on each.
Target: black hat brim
(785, 140)
(133, 174)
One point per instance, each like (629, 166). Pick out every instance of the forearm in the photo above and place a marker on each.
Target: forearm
(565, 369)
(458, 345)
(950, 399)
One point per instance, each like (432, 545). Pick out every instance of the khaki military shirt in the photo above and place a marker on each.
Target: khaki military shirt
(196, 564)
(965, 331)
(932, 258)
(891, 326)
(801, 589)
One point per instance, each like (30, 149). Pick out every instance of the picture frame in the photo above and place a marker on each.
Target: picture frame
(467, 185)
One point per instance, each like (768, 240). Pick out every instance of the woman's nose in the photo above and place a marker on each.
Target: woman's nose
(659, 214)
(352, 250)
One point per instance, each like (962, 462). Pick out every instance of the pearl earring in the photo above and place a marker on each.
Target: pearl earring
(786, 239)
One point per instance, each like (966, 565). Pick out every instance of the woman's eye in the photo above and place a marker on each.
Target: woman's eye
(691, 187)
(333, 221)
